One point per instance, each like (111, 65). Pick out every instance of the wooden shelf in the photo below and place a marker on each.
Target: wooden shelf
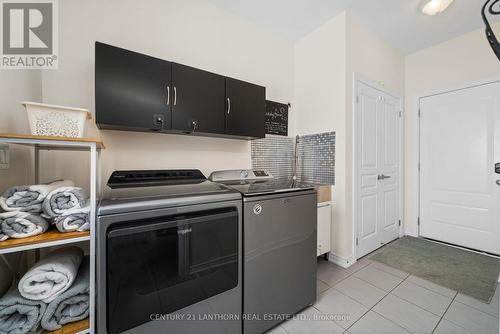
(47, 239)
(54, 140)
(72, 328)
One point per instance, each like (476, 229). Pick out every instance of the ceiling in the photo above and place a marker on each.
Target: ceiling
(399, 22)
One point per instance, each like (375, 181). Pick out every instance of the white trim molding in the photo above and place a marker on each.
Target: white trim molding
(344, 262)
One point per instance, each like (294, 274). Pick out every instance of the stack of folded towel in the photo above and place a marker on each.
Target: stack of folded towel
(51, 294)
(29, 210)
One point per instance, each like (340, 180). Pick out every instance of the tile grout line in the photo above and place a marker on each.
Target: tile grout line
(404, 279)
(370, 309)
(458, 325)
(420, 307)
(442, 317)
(426, 288)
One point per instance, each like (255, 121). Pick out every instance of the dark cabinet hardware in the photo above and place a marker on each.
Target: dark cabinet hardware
(158, 120)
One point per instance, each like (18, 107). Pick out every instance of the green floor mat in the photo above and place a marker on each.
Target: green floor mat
(464, 271)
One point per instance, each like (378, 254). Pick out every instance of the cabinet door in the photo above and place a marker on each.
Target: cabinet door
(198, 100)
(131, 90)
(245, 109)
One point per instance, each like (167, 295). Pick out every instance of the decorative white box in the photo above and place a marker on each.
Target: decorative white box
(57, 121)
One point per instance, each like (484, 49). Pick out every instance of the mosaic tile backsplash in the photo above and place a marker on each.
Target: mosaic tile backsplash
(275, 154)
(316, 157)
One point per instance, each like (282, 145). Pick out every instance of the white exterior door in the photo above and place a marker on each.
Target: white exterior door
(459, 146)
(378, 159)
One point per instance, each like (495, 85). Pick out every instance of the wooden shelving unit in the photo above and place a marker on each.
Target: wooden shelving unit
(47, 239)
(53, 237)
(78, 327)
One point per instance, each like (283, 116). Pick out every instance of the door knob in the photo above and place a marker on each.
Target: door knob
(383, 177)
(498, 182)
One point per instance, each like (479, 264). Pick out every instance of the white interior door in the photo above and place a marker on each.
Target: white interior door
(378, 168)
(459, 145)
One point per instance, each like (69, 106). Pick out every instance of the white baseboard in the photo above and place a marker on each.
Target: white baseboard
(344, 262)
(411, 233)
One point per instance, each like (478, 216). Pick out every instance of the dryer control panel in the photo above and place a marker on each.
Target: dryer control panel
(240, 175)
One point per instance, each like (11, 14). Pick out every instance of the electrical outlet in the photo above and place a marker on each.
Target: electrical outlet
(4, 156)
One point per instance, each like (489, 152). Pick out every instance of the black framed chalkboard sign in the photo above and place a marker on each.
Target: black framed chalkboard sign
(276, 118)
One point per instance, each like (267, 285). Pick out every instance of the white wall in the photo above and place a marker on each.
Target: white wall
(17, 86)
(325, 61)
(457, 62)
(194, 33)
(320, 88)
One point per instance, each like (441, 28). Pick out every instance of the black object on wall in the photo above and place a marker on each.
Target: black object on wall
(136, 92)
(276, 118)
(489, 6)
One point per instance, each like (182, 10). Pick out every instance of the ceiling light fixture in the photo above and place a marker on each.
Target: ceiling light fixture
(434, 7)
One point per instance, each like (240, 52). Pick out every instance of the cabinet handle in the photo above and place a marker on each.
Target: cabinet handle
(168, 95)
(175, 96)
(228, 105)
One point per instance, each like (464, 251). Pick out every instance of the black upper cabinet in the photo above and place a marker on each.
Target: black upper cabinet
(131, 90)
(198, 100)
(142, 93)
(245, 109)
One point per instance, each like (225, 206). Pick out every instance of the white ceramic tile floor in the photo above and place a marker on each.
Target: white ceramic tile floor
(345, 309)
(360, 291)
(311, 321)
(381, 279)
(380, 299)
(321, 287)
(426, 299)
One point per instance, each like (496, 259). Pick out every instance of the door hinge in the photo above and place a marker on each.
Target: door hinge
(418, 221)
(400, 113)
(399, 222)
(418, 166)
(419, 113)
(357, 99)
(357, 241)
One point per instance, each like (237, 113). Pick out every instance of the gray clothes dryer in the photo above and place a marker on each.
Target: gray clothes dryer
(169, 255)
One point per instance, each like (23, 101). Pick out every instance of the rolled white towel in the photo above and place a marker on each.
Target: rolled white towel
(52, 275)
(60, 200)
(74, 220)
(29, 198)
(19, 224)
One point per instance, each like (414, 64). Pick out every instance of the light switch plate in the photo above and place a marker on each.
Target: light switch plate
(4, 156)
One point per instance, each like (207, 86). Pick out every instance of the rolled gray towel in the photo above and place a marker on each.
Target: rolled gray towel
(19, 224)
(19, 315)
(29, 198)
(63, 199)
(74, 220)
(52, 275)
(73, 304)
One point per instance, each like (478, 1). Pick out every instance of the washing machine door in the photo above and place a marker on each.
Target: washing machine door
(159, 268)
